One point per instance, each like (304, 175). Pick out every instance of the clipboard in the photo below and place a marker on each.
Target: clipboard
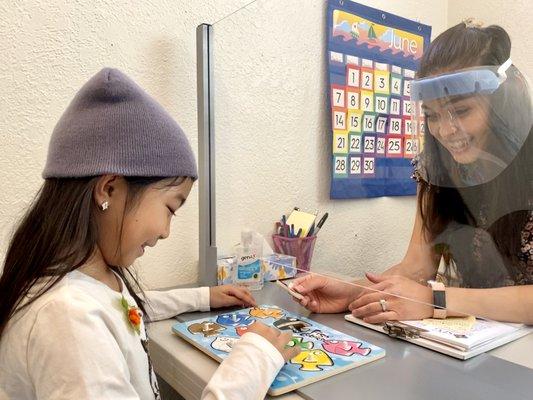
(404, 330)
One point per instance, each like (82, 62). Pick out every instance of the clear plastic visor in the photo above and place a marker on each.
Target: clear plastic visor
(469, 124)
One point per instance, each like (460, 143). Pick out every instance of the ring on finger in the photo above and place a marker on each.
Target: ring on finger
(383, 304)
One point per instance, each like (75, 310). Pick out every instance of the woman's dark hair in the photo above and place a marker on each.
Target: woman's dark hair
(506, 199)
(57, 235)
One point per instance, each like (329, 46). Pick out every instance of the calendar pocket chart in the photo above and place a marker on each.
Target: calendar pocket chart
(324, 351)
(372, 59)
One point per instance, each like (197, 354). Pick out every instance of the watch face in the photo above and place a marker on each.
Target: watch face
(439, 298)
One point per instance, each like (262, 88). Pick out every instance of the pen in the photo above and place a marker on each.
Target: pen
(284, 226)
(299, 232)
(311, 230)
(320, 223)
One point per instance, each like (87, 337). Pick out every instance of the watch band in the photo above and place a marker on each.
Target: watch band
(439, 299)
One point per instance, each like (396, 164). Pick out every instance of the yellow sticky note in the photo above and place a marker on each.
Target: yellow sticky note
(301, 220)
(453, 324)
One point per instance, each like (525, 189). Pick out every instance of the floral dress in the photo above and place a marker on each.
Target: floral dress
(481, 252)
(526, 254)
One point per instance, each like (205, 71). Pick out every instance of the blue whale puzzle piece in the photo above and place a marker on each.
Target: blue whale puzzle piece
(235, 319)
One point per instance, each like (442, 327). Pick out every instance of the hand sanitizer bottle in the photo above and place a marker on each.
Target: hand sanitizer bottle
(248, 269)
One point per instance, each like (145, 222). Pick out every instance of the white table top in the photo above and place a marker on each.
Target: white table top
(187, 369)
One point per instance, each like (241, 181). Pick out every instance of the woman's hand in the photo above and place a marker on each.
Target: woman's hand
(415, 304)
(323, 294)
(279, 339)
(229, 295)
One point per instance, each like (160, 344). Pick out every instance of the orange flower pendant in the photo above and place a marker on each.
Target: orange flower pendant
(133, 315)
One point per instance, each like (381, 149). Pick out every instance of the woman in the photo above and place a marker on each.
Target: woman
(473, 234)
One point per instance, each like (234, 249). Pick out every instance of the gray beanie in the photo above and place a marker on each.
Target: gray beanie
(112, 126)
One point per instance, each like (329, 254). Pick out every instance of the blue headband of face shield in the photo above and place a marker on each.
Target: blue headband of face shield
(483, 80)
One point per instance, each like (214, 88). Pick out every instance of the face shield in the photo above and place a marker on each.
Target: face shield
(469, 125)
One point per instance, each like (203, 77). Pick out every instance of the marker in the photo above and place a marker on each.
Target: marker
(311, 230)
(320, 223)
(284, 226)
(278, 228)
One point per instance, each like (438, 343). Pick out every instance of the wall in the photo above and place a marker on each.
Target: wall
(511, 15)
(50, 48)
(273, 135)
(271, 148)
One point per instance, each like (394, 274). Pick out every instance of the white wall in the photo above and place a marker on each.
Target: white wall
(272, 121)
(273, 134)
(514, 16)
(49, 48)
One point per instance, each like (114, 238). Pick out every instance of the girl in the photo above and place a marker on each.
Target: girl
(474, 226)
(71, 321)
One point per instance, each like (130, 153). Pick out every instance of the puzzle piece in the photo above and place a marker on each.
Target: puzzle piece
(291, 323)
(241, 330)
(260, 312)
(207, 328)
(299, 341)
(224, 343)
(317, 334)
(345, 348)
(235, 319)
(312, 360)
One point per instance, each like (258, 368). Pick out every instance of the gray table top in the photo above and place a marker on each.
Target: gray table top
(407, 372)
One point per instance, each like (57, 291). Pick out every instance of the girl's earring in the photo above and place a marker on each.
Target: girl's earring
(104, 206)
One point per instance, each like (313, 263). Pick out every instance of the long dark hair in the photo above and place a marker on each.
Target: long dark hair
(507, 201)
(57, 235)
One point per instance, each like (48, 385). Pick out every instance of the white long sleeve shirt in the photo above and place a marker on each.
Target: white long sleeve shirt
(75, 342)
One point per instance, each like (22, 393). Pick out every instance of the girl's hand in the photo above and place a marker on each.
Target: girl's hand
(323, 294)
(229, 295)
(279, 339)
(368, 307)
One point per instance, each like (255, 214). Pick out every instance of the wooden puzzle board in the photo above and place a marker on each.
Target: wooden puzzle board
(325, 351)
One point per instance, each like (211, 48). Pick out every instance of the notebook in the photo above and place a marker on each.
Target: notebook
(324, 351)
(461, 338)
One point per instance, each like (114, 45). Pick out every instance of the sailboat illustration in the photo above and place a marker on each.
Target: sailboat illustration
(372, 33)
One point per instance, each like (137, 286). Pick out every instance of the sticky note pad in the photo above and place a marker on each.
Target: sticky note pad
(301, 220)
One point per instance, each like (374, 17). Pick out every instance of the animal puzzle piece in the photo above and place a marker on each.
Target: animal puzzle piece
(264, 312)
(293, 324)
(299, 341)
(345, 348)
(235, 319)
(241, 330)
(224, 343)
(312, 360)
(207, 328)
(317, 334)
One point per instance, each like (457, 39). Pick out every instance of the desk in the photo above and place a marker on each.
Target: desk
(407, 371)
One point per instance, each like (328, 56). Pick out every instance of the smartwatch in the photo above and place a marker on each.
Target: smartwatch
(439, 299)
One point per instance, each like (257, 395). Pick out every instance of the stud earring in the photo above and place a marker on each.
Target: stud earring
(104, 206)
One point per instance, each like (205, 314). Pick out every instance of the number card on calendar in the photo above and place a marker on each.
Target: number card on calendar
(372, 58)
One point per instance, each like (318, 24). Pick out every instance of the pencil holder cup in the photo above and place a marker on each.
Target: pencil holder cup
(301, 248)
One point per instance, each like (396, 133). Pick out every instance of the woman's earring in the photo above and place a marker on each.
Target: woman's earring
(104, 206)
